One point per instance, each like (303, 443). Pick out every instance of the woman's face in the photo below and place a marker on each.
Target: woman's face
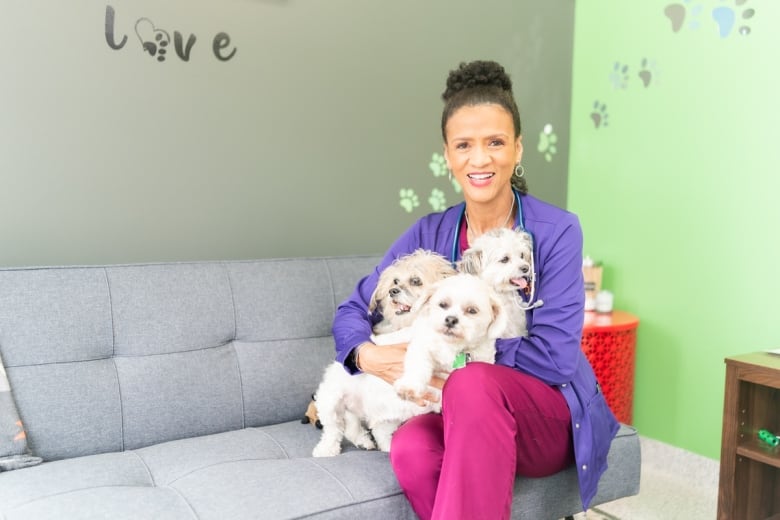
(482, 150)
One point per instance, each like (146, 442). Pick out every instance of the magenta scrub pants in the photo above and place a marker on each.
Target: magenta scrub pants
(496, 422)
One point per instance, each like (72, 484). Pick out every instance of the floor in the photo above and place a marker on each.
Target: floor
(675, 484)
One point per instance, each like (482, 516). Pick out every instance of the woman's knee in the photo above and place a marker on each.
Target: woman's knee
(416, 441)
(477, 381)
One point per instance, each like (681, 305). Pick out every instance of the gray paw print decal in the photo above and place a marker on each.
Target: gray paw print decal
(154, 41)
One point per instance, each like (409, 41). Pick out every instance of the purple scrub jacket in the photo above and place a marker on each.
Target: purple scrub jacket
(551, 351)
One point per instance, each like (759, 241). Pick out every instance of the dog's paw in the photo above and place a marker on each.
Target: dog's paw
(383, 442)
(326, 450)
(365, 442)
(409, 390)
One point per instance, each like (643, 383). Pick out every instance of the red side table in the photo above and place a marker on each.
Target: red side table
(609, 343)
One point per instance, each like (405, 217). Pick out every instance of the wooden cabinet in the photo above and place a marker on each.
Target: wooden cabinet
(749, 486)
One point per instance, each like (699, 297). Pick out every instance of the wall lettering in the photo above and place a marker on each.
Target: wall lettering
(156, 41)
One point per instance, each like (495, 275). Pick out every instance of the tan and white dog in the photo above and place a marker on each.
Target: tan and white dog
(349, 406)
(402, 284)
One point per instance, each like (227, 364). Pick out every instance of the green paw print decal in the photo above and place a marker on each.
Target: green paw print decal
(409, 199)
(547, 141)
(438, 165)
(437, 200)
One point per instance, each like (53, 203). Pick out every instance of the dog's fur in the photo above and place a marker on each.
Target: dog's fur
(346, 403)
(503, 258)
(463, 315)
(402, 283)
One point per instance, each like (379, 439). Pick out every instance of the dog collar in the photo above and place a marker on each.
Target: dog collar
(460, 360)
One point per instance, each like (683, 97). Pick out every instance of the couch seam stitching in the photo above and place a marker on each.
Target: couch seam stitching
(235, 338)
(266, 434)
(184, 499)
(332, 288)
(338, 480)
(113, 362)
(317, 513)
(145, 465)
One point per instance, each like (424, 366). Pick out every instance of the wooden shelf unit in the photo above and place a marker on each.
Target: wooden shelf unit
(749, 487)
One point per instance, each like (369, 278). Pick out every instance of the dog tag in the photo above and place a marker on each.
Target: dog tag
(460, 361)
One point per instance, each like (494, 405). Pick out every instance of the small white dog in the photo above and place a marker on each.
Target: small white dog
(458, 322)
(346, 403)
(504, 259)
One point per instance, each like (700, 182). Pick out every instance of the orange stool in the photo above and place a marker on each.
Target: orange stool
(609, 343)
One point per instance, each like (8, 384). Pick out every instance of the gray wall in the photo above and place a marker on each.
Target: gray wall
(297, 145)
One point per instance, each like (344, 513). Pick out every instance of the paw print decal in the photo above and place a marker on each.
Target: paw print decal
(547, 142)
(599, 114)
(678, 13)
(409, 199)
(438, 165)
(153, 40)
(648, 71)
(437, 200)
(726, 19)
(619, 75)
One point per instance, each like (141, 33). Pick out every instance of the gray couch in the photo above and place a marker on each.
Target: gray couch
(176, 391)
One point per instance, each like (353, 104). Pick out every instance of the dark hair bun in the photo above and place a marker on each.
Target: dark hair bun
(476, 74)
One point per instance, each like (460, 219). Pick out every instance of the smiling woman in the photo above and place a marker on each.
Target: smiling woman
(483, 144)
(525, 414)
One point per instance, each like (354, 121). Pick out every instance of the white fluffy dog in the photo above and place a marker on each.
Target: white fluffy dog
(504, 258)
(346, 403)
(458, 322)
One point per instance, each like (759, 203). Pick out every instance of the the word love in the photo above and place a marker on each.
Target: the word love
(157, 41)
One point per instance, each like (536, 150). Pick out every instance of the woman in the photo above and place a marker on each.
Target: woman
(539, 408)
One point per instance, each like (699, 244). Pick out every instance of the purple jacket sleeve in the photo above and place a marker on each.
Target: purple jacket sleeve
(551, 351)
(352, 324)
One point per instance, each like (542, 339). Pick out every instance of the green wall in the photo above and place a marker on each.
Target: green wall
(677, 191)
(298, 144)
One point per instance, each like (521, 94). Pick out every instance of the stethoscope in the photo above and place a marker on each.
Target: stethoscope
(519, 225)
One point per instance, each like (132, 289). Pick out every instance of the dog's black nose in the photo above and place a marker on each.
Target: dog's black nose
(450, 321)
(395, 291)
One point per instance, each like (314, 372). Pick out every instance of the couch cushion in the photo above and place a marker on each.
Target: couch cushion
(265, 473)
(108, 358)
(237, 474)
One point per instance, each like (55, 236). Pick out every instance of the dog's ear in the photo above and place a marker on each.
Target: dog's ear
(471, 261)
(444, 268)
(380, 293)
(500, 318)
(374, 301)
(424, 299)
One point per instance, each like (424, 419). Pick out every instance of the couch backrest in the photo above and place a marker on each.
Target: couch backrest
(109, 358)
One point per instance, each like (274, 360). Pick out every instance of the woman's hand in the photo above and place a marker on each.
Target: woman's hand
(387, 362)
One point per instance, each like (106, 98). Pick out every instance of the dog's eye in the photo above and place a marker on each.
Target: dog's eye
(472, 310)
(504, 260)
(396, 281)
(444, 305)
(415, 282)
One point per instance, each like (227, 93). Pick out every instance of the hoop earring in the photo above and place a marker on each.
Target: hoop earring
(520, 173)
